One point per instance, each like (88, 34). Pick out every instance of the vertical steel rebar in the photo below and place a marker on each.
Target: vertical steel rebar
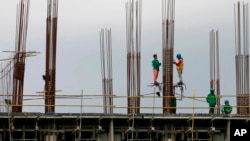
(20, 54)
(133, 39)
(106, 65)
(214, 65)
(217, 72)
(242, 57)
(167, 54)
(133, 43)
(50, 68)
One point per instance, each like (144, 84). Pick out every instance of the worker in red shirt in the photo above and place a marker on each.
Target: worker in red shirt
(179, 67)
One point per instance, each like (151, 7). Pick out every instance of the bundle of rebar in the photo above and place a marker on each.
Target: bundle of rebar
(214, 65)
(167, 54)
(242, 57)
(20, 54)
(107, 74)
(133, 41)
(50, 69)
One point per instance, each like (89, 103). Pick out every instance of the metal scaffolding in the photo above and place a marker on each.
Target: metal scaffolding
(214, 65)
(133, 32)
(167, 53)
(242, 56)
(6, 81)
(106, 65)
(50, 70)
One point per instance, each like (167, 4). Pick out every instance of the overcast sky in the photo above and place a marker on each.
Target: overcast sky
(78, 54)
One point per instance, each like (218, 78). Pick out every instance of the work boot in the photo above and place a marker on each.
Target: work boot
(158, 94)
(156, 83)
(180, 83)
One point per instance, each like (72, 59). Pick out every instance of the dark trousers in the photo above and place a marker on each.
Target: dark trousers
(174, 110)
(211, 109)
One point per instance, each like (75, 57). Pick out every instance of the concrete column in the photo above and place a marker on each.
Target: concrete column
(54, 128)
(1, 138)
(23, 132)
(183, 132)
(50, 138)
(228, 131)
(63, 136)
(166, 136)
(123, 134)
(40, 136)
(157, 133)
(196, 133)
(111, 130)
(36, 134)
(93, 132)
(210, 137)
(4, 135)
(173, 135)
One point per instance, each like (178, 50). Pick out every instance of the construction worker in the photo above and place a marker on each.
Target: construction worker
(179, 66)
(211, 100)
(156, 67)
(227, 108)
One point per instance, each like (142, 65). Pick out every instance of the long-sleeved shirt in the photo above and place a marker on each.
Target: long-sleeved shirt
(211, 99)
(156, 64)
(227, 109)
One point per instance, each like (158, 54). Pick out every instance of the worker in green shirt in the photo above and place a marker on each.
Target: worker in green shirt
(227, 108)
(211, 100)
(156, 68)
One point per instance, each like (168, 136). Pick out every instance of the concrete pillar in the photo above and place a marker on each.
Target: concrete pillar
(93, 132)
(157, 133)
(218, 137)
(54, 128)
(122, 133)
(111, 130)
(183, 132)
(169, 132)
(117, 137)
(228, 131)
(173, 134)
(50, 138)
(211, 137)
(4, 134)
(23, 132)
(136, 134)
(63, 136)
(40, 136)
(167, 135)
(196, 133)
(1, 138)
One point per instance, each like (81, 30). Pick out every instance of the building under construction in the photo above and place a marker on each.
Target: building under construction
(134, 125)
